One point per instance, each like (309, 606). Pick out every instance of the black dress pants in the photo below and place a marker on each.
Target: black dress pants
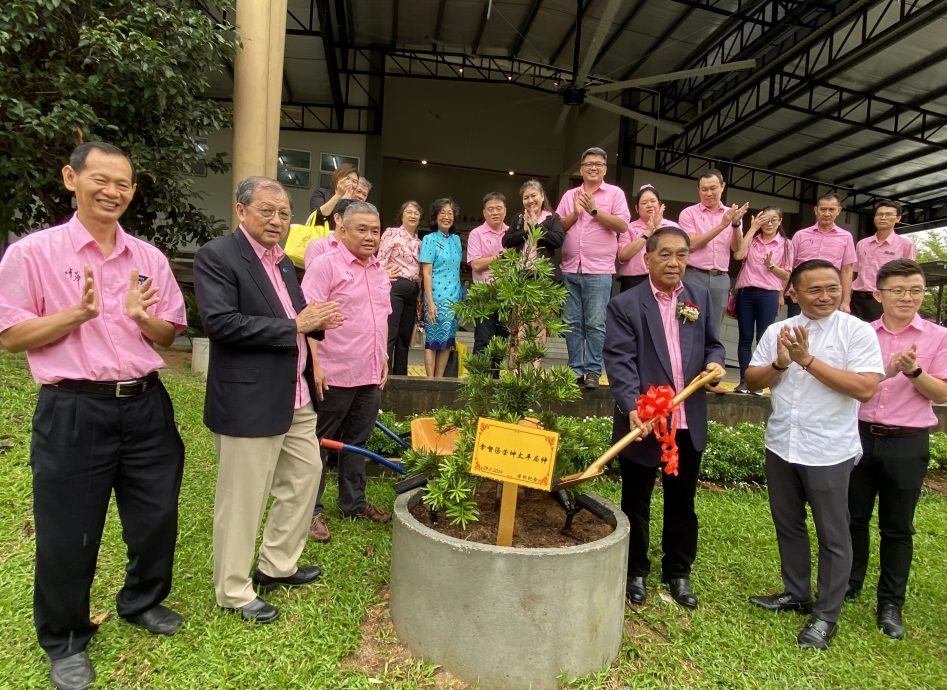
(404, 312)
(83, 447)
(865, 306)
(892, 468)
(679, 532)
(347, 415)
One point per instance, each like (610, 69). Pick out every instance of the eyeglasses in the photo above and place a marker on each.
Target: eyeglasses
(769, 221)
(445, 213)
(915, 292)
(267, 213)
(592, 166)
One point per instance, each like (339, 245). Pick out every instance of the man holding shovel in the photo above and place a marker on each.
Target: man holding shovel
(660, 333)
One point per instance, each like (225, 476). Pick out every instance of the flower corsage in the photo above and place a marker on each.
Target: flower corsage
(687, 311)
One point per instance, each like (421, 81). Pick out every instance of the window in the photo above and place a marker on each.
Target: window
(329, 163)
(293, 168)
(199, 168)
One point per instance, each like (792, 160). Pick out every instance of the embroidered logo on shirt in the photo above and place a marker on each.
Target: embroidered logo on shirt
(73, 275)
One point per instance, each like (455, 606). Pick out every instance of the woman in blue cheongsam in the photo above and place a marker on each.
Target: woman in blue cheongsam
(440, 275)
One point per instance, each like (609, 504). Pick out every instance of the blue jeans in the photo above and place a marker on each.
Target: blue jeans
(756, 308)
(584, 314)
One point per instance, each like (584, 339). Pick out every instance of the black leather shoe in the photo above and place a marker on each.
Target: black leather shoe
(782, 602)
(635, 590)
(72, 672)
(257, 611)
(681, 592)
(303, 576)
(816, 634)
(159, 620)
(889, 620)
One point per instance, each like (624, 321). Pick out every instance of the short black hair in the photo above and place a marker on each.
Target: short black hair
(652, 242)
(436, 208)
(79, 154)
(899, 267)
(341, 205)
(711, 172)
(493, 196)
(829, 195)
(399, 219)
(890, 204)
(643, 190)
(810, 265)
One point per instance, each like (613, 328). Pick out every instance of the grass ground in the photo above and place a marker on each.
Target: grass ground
(726, 643)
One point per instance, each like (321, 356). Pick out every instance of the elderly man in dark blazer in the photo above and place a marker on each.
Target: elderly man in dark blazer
(661, 333)
(260, 400)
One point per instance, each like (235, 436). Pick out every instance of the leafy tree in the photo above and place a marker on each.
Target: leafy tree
(130, 72)
(931, 247)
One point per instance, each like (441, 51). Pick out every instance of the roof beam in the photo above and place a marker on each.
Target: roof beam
(581, 7)
(525, 27)
(439, 23)
(481, 28)
(649, 51)
(332, 63)
(907, 177)
(836, 47)
(897, 77)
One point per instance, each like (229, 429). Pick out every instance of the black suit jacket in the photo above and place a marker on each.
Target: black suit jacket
(251, 380)
(636, 357)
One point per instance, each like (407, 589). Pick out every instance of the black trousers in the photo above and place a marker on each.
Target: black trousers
(404, 312)
(83, 447)
(825, 489)
(865, 306)
(628, 282)
(893, 469)
(486, 329)
(679, 532)
(347, 415)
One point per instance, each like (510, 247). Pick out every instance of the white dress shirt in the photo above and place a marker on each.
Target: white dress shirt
(812, 424)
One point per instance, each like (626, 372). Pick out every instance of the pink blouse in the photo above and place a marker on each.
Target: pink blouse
(400, 248)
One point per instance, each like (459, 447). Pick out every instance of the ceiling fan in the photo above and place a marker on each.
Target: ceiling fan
(578, 92)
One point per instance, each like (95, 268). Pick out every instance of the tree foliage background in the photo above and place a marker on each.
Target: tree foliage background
(132, 73)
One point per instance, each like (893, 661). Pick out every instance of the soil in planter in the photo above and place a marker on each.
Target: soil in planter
(539, 521)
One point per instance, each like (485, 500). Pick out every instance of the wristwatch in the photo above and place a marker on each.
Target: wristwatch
(593, 212)
(914, 374)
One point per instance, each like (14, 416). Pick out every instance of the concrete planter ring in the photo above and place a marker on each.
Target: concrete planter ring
(508, 618)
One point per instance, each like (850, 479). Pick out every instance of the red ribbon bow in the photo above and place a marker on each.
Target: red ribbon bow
(658, 404)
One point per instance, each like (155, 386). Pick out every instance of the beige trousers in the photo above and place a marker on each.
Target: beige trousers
(287, 467)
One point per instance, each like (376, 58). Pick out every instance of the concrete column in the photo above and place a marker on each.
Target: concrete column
(258, 65)
(274, 91)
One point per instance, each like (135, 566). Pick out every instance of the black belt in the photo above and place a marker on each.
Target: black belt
(113, 389)
(885, 430)
(710, 271)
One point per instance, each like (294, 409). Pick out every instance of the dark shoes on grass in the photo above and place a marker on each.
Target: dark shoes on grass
(371, 512)
(890, 622)
(816, 634)
(159, 620)
(303, 576)
(635, 590)
(782, 602)
(681, 591)
(72, 672)
(257, 611)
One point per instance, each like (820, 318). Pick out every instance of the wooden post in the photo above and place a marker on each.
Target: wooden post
(507, 514)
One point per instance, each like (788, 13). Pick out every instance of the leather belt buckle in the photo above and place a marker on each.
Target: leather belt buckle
(131, 388)
(879, 430)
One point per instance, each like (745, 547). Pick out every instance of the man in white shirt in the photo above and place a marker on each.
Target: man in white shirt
(819, 366)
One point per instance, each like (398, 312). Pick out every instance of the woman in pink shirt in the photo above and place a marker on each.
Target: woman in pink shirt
(631, 242)
(767, 262)
(399, 250)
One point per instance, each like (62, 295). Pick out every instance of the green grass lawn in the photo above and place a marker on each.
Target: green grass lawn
(726, 643)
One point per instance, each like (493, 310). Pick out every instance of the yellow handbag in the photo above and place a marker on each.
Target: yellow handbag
(301, 235)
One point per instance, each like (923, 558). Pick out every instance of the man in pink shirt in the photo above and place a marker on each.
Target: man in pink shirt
(88, 302)
(650, 340)
(593, 215)
(874, 252)
(825, 240)
(484, 244)
(714, 231)
(260, 400)
(352, 361)
(895, 428)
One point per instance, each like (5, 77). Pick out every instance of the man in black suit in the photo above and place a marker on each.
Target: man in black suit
(260, 400)
(660, 333)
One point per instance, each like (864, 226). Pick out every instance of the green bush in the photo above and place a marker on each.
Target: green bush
(734, 453)
(938, 451)
(381, 443)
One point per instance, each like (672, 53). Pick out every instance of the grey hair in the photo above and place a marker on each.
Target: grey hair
(363, 182)
(358, 207)
(247, 187)
(594, 151)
